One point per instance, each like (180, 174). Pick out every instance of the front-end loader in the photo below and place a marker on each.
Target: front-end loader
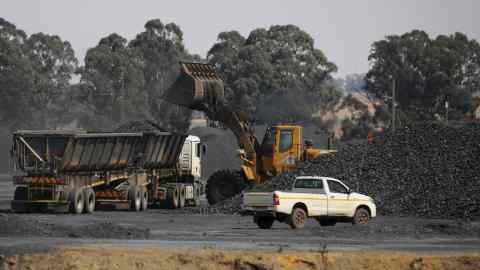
(200, 88)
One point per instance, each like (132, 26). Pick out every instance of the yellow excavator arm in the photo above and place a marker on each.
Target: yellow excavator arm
(200, 88)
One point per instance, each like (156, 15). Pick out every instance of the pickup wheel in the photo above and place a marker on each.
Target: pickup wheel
(265, 222)
(362, 216)
(298, 218)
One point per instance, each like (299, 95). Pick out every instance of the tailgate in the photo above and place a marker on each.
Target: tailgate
(258, 199)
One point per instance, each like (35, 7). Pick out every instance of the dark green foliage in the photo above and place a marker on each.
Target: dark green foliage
(113, 82)
(260, 69)
(426, 72)
(35, 74)
(161, 47)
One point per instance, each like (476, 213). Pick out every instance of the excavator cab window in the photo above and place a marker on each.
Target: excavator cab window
(286, 140)
(268, 143)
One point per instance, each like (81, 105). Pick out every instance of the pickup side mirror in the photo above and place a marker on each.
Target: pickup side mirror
(349, 191)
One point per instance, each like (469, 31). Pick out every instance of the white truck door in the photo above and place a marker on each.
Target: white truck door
(317, 197)
(338, 199)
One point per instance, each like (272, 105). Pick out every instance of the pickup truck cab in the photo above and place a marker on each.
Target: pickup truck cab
(326, 199)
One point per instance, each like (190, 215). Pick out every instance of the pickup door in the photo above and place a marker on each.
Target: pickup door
(313, 191)
(339, 203)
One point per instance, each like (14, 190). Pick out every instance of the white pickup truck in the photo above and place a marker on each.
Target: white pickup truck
(326, 199)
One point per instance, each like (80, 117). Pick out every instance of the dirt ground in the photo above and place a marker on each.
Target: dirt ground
(117, 258)
(178, 239)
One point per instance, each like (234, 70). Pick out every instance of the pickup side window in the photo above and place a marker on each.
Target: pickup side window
(336, 187)
(286, 140)
(309, 183)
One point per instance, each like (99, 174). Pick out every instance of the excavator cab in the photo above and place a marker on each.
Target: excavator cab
(281, 148)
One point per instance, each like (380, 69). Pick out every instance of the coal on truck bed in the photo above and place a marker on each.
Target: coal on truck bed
(76, 171)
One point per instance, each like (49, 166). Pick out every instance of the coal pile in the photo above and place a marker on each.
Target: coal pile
(425, 170)
(139, 126)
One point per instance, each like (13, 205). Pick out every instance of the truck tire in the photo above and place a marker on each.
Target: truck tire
(89, 199)
(362, 216)
(196, 197)
(173, 197)
(19, 196)
(298, 218)
(135, 198)
(224, 184)
(265, 222)
(144, 205)
(77, 201)
(181, 198)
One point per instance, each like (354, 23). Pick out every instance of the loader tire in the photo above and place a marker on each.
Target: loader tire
(224, 184)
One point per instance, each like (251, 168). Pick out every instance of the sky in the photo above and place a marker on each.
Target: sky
(343, 29)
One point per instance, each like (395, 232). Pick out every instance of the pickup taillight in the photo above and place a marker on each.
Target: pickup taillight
(276, 199)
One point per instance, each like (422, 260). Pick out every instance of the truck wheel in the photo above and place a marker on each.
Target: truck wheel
(362, 216)
(76, 200)
(135, 198)
(298, 218)
(89, 198)
(144, 206)
(19, 197)
(265, 222)
(173, 197)
(326, 222)
(196, 197)
(224, 184)
(181, 199)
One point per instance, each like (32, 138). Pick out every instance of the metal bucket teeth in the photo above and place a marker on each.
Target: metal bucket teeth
(198, 85)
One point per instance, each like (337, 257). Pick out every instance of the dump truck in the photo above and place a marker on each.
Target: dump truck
(76, 171)
(199, 87)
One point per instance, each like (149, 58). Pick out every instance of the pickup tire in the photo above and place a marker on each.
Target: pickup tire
(265, 222)
(298, 218)
(362, 216)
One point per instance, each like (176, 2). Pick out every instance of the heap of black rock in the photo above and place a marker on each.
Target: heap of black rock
(427, 170)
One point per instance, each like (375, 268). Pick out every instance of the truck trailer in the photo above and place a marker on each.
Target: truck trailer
(76, 171)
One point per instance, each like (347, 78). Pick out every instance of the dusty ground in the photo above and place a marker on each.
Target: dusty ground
(65, 241)
(117, 258)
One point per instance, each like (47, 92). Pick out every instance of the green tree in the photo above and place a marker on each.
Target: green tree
(113, 82)
(426, 72)
(16, 78)
(281, 58)
(54, 63)
(161, 46)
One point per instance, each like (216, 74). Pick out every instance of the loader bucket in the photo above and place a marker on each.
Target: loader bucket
(197, 86)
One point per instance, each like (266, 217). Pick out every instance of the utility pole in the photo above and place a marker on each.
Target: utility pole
(446, 111)
(393, 104)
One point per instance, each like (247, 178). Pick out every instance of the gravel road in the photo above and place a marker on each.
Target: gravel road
(180, 228)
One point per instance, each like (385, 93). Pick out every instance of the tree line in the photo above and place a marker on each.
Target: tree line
(274, 74)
